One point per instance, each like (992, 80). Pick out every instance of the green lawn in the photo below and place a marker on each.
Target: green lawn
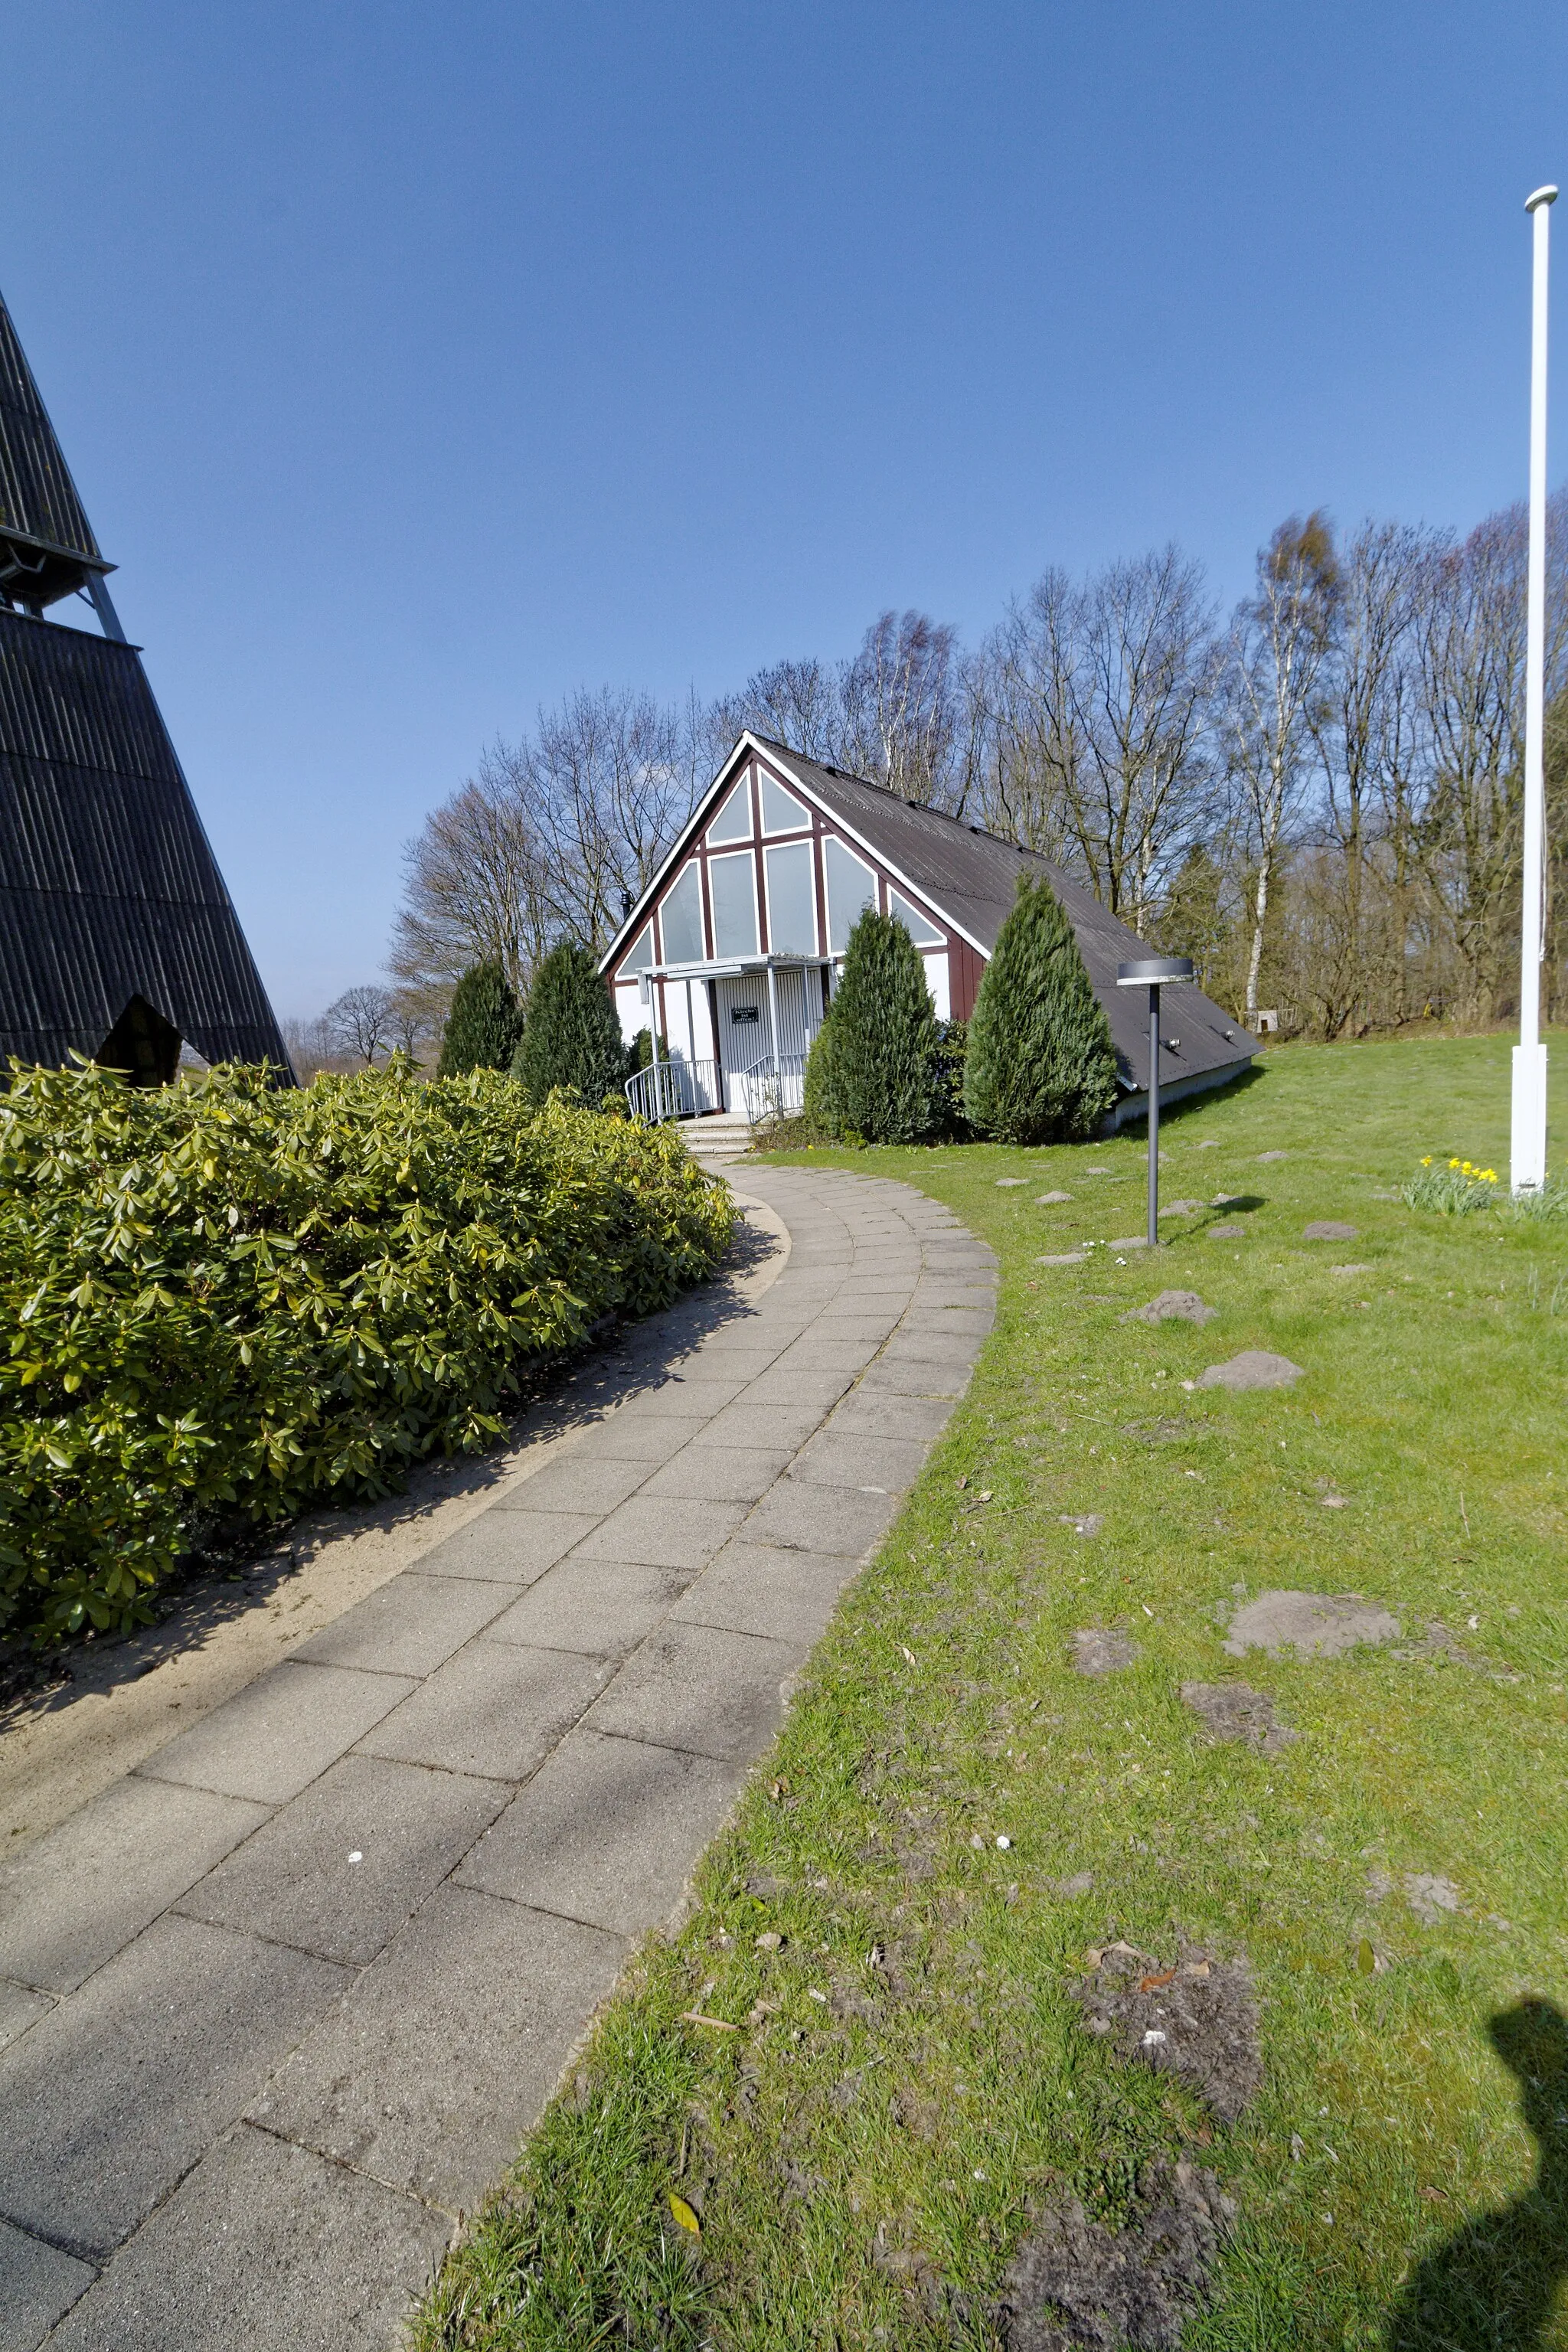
(865, 2165)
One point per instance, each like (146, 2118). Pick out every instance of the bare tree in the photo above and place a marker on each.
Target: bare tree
(360, 1021)
(1099, 702)
(1280, 641)
(608, 784)
(474, 887)
(902, 710)
(796, 703)
(1030, 777)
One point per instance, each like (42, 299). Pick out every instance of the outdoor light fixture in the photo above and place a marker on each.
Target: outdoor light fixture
(1152, 974)
(1527, 1171)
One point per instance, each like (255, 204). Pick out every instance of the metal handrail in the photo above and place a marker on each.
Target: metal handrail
(673, 1090)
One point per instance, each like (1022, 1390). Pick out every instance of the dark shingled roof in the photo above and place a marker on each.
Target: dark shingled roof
(972, 877)
(108, 886)
(38, 500)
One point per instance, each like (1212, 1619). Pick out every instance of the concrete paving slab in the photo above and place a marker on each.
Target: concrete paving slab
(843, 1457)
(786, 1596)
(430, 2071)
(746, 1363)
(38, 2286)
(602, 1608)
(930, 1344)
(608, 1831)
(410, 1625)
(885, 1379)
(577, 1481)
(766, 1423)
(20, 2006)
(714, 1692)
(663, 1531)
(799, 1516)
(813, 1355)
(510, 1547)
(703, 1472)
(816, 1388)
(263, 2245)
(887, 1415)
(78, 1895)
(338, 1872)
(682, 1400)
(633, 1439)
(496, 1710)
(118, 2089)
(270, 1740)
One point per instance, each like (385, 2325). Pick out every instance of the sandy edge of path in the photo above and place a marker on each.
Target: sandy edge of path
(61, 1749)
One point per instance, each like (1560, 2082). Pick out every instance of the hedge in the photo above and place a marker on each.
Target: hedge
(225, 1300)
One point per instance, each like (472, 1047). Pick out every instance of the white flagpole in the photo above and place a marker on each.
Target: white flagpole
(1527, 1172)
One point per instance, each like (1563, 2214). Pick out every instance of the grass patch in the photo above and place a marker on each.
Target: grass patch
(938, 2106)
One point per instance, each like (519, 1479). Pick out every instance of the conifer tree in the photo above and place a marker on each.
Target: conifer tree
(877, 1076)
(571, 1037)
(1040, 1066)
(483, 1025)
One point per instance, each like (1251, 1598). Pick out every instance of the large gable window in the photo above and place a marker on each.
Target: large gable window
(733, 885)
(680, 918)
(924, 934)
(782, 813)
(792, 911)
(851, 889)
(733, 821)
(640, 954)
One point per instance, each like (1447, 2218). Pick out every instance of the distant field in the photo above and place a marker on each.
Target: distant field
(867, 2165)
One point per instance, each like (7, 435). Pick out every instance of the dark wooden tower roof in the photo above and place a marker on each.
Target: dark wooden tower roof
(117, 938)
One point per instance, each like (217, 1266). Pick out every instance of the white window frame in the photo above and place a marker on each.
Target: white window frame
(722, 955)
(694, 867)
(933, 938)
(793, 947)
(831, 843)
(799, 823)
(741, 791)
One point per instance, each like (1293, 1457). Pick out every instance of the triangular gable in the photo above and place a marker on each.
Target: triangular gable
(789, 765)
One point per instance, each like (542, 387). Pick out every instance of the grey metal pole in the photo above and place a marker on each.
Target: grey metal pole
(1148, 972)
(1154, 1116)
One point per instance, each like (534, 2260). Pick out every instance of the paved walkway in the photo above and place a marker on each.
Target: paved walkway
(283, 2000)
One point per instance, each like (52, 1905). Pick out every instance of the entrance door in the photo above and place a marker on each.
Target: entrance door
(745, 1038)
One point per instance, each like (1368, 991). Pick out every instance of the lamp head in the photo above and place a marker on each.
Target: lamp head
(1547, 196)
(1152, 970)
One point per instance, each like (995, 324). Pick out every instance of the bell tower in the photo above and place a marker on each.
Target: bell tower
(118, 938)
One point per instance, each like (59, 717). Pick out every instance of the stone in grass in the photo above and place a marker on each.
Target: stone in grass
(1011, 1180)
(1430, 1896)
(1353, 1269)
(1196, 2018)
(1227, 1233)
(1065, 1257)
(1069, 1889)
(1101, 1649)
(1328, 1228)
(1231, 1711)
(1051, 1200)
(1272, 1155)
(1314, 1625)
(1209, 1143)
(1076, 2285)
(1130, 1241)
(1255, 1368)
(1172, 1306)
(1087, 1523)
(1182, 1208)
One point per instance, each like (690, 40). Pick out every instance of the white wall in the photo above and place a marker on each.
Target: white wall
(937, 982)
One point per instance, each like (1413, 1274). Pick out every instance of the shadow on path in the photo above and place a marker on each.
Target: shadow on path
(1491, 2287)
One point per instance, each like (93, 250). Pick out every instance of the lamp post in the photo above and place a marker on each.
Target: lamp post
(1527, 1167)
(1150, 975)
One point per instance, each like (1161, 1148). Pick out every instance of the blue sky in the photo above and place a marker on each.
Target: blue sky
(419, 362)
